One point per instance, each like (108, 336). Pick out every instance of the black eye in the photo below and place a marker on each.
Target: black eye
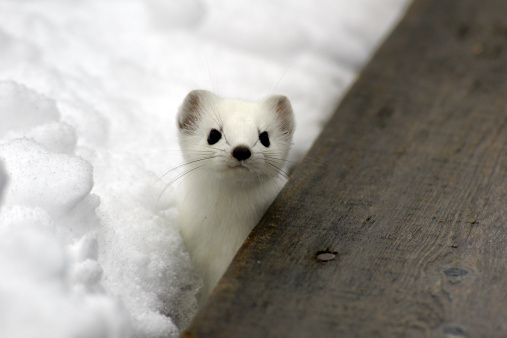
(264, 139)
(214, 136)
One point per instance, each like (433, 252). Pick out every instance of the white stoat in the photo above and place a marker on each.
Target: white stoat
(235, 152)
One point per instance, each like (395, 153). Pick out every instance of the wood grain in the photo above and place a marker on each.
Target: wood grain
(406, 187)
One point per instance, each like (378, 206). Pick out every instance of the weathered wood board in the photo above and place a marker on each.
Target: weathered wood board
(407, 184)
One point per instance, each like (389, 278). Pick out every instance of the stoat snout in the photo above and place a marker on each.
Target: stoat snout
(241, 153)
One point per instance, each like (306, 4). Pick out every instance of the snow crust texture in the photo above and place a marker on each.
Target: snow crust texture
(89, 91)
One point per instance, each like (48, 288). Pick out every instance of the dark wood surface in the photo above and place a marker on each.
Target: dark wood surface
(407, 185)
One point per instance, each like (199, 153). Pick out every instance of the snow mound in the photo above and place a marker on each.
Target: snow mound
(21, 108)
(41, 178)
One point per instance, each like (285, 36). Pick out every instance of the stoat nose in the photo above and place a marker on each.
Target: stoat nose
(241, 153)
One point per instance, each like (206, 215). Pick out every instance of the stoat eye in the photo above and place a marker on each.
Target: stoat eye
(214, 136)
(264, 138)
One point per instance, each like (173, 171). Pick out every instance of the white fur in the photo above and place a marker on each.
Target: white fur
(224, 198)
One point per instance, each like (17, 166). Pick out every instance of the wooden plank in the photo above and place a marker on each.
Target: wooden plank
(408, 186)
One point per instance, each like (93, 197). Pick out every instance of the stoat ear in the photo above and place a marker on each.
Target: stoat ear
(191, 108)
(280, 104)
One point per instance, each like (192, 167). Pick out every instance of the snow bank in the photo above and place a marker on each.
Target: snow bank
(89, 90)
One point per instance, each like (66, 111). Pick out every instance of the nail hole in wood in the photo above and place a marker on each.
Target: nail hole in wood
(326, 255)
(454, 331)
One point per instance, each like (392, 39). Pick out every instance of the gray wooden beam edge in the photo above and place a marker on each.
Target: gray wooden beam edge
(405, 193)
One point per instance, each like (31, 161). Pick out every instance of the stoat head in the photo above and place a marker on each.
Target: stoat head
(235, 140)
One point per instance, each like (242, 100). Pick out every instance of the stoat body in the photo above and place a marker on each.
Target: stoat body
(235, 152)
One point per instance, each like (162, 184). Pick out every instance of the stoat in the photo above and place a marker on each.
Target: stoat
(235, 153)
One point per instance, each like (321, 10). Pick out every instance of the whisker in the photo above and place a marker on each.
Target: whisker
(217, 149)
(177, 178)
(186, 173)
(271, 92)
(161, 152)
(179, 151)
(277, 182)
(183, 165)
(211, 104)
(296, 162)
(313, 159)
(281, 178)
(209, 73)
(199, 152)
(281, 160)
(280, 171)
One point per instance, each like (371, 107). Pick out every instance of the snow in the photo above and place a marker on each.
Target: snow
(89, 90)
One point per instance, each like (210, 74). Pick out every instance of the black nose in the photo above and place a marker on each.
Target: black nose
(241, 153)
